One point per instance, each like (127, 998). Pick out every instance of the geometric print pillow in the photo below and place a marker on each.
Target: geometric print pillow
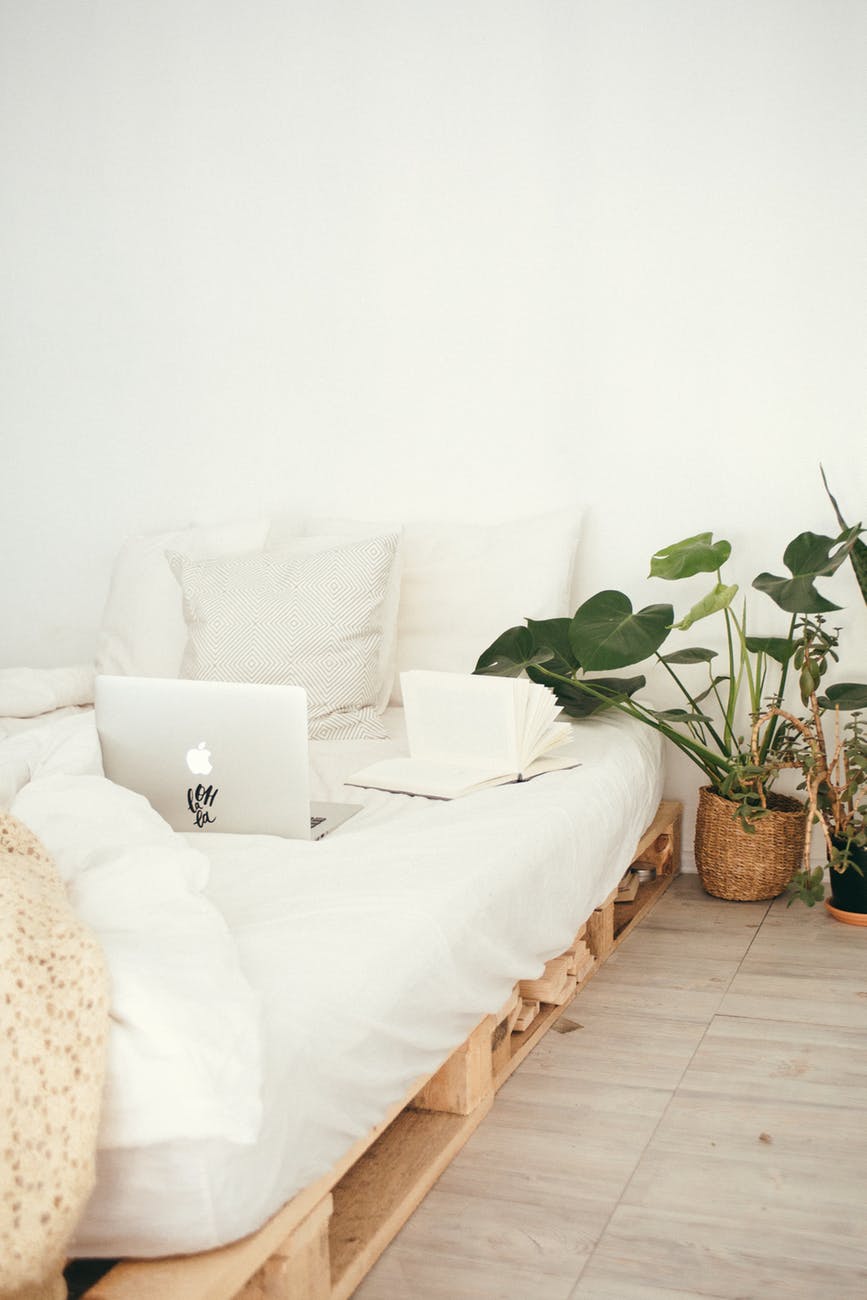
(296, 617)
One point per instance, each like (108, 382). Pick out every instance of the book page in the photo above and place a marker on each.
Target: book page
(541, 730)
(461, 719)
(556, 762)
(427, 777)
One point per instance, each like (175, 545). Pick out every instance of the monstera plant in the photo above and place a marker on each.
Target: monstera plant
(584, 660)
(578, 657)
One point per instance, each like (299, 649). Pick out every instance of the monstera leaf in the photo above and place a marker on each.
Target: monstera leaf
(858, 554)
(699, 554)
(807, 557)
(512, 652)
(553, 634)
(542, 641)
(718, 598)
(579, 702)
(845, 695)
(605, 633)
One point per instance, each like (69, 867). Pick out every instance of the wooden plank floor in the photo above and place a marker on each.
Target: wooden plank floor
(697, 1128)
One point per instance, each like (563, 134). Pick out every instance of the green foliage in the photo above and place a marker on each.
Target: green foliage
(808, 886)
(699, 554)
(844, 695)
(553, 634)
(830, 754)
(607, 633)
(694, 655)
(858, 554)
(716, 600)
(779, 648)
(808, 557)
(580, 697)
(512, 653)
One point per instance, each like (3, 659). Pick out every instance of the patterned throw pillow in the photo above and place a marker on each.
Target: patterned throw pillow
(288, 615)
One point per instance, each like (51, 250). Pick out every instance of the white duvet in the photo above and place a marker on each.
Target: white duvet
(271, 999)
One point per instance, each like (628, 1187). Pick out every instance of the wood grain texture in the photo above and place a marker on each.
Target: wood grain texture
(300, 1268)
(706, 1256)
(466, 1079)
(379, 1183)
(381, 1191)
(723, 1154)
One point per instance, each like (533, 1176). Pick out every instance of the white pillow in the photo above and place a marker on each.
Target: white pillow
(309, 617)
(464, 584)
(143, 631)
(331, 531)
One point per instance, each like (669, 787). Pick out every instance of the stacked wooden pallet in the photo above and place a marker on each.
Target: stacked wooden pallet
(557, 984)
(321, 1244)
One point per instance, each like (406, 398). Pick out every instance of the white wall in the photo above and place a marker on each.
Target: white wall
(426, 257)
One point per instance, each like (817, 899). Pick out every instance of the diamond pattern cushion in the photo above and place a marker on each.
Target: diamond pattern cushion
(288, 615)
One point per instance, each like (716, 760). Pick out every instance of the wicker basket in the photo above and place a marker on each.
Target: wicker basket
(732, 863)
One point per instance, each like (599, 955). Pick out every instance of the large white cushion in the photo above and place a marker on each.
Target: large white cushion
(329, 531)
(143, 631)
(303, 615)
(464, 584)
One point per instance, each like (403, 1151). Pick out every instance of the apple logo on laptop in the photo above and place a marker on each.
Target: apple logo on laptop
(199, 760)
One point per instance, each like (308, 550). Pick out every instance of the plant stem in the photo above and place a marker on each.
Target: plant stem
(714, 766)
(776, 702)
(734, 682)
(692, 702)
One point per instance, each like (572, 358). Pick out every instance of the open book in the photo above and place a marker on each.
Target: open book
(466, 733)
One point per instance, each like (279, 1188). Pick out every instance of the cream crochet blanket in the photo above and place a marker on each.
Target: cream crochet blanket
(53, 1032)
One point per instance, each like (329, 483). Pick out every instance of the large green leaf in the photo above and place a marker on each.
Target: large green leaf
(577, 702)
(780, 648)
(794, 595)
(813, 555)
(553, 634)
(694, 655)
(511, 653)
(845, 695)
(718, 598)
(699, 554)
(605, 633)
(807, 557)
(858, 555)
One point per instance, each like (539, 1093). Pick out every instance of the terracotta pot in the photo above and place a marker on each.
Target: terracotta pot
(736, 864)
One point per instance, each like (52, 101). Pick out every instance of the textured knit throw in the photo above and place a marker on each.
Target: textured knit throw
(53, 1031)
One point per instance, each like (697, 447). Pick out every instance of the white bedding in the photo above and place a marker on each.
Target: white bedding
(342, 970)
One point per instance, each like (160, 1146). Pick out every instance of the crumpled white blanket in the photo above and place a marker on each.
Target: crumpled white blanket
(28, 692)
(373, 953)
(184, 1044)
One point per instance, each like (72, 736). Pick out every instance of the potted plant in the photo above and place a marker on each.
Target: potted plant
(832, 756)
(748, 838)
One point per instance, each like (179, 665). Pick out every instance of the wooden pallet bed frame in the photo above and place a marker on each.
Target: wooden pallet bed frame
(321, 1244)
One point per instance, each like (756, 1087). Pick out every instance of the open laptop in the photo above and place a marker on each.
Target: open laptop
(214, 756)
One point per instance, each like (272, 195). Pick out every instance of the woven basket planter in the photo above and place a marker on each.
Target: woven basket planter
(732, 863)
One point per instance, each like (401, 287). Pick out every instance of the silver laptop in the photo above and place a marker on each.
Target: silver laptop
(214, 756)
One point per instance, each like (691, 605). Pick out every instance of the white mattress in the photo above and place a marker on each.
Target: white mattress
(373, 953)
